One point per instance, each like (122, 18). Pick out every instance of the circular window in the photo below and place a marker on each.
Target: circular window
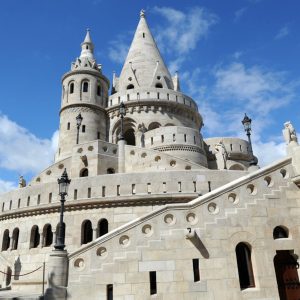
(268, 181)
(132, 152)
(173, 163)
(251, 189)
(191, 218)
(124, 241)
(157, 158)
(147, 230)
(105, 149)
(90, 148)
(232, 198)
(144, 155)
(79, 150)
(213, 208)
(61, 166)
(101, 252)
(79, 263)
(284, 173)
(169, 219)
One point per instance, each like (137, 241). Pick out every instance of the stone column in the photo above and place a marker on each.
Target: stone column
(95, 230)
(121, 161)
(58, 267)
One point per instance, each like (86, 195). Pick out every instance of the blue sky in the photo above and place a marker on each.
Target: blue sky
(232, 57)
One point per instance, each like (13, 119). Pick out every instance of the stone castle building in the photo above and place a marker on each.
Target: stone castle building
(153, 210)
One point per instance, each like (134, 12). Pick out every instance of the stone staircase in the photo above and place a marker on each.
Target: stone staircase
(213, 217)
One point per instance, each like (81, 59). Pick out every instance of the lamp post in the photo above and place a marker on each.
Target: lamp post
(122, 112)
(63, 183)
(247, 126)
(78, 122)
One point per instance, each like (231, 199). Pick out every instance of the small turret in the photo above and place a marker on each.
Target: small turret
(85, 92)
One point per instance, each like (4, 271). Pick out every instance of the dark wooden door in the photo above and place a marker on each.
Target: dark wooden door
(286, 267)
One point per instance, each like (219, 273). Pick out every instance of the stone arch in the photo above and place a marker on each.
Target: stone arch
(154, 125)
(85, 86)
(34, 237)
(15, 239)
(5, 240)
(237, 167)
(102, 227)
(244, 264)
(86, 232)
(84, 172)
(71, 87)
(129, 131)
(110, 171)
(47, 235)
(280, 232)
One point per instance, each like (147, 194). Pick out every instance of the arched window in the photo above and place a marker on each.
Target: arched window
(48, 235)
(98, 90)
(6, 240)
(110, 171)
(153, 125)
(71, 87)
(129, 137)
(159, 85)
(244, 263)
(57, 231)
(86, 232)
(102, 227)
(85, 87)
(15, 239)
(34, 237)
(84, 172)
(130, 86)
(280, 232)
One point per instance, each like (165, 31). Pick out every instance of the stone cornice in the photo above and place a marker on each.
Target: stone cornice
(95, 203)
(83, 104)
(156, 105)
(86, 71)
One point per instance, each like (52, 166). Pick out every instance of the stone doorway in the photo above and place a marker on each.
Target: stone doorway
(286, 269)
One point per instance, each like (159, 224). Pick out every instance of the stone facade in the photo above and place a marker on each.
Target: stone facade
(162, 213)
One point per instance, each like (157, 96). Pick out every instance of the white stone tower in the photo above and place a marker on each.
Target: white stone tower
(85, 92)
(156, 109)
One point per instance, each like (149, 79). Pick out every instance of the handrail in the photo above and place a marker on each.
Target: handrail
(194, 203)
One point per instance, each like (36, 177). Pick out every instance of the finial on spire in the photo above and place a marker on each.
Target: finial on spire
(142, 13)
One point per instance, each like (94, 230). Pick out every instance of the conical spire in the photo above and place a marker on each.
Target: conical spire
(87, 46)
(144, 66)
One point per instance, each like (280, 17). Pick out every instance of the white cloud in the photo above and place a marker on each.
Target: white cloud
(268, 152)
(118, 49)
(239, 13)
(22, 151)
(283, 32)
(6, 186)
(183, 30)
(258, 90)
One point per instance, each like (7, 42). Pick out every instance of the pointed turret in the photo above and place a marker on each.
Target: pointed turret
(87, 46)
(144, 66)
(86, 58)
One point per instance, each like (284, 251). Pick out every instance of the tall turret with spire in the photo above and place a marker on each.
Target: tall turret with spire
(85, 92)
(154, 102)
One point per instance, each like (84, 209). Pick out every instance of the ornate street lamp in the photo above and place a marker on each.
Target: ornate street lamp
(247, 126)
(122, 112)
(63, 183)
(79, 119)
